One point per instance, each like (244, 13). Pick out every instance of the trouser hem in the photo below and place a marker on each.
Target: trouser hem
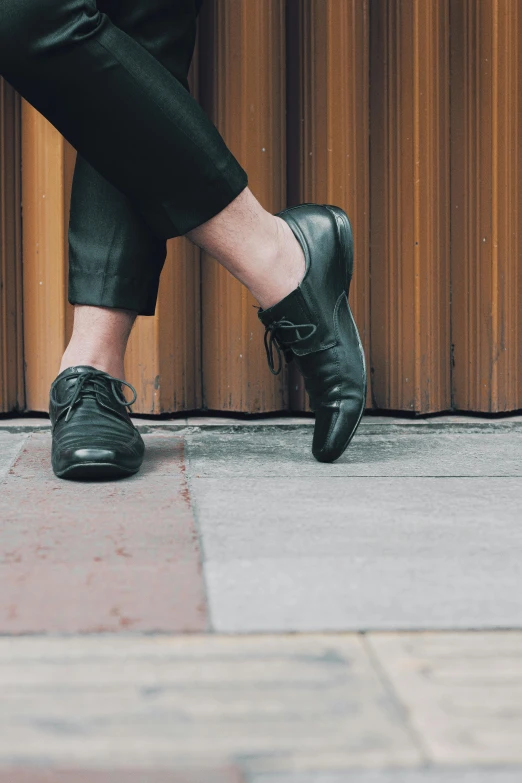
(173, 218)
(127, 293)
(141, 293)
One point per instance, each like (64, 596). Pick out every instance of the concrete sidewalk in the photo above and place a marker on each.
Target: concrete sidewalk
(238, 611)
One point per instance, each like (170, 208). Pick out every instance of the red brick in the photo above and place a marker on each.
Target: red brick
(100, 556)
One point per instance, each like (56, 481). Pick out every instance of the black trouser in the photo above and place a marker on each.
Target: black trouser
(111, 76)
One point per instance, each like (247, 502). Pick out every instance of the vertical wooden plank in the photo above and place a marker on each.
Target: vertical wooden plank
(243, 91)
(409, 149)
(47, 167)
(11, 338)
(328, 131)
(486, 238)
(163, 358)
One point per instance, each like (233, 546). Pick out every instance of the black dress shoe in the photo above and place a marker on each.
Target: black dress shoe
(314, 326)
(92, 432)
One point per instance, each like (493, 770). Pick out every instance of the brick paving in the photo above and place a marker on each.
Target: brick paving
(91, 557)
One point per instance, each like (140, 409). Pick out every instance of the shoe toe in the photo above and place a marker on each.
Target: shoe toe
(90, 455)
(335, 426)
(93, 462)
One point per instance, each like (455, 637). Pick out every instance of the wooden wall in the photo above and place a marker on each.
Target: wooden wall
(406, 113)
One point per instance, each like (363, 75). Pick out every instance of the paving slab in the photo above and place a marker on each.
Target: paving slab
(99, 556)
(462, 692)
(473, 450)
(264, 703)
(10, 445)
(414, 527)
(361, 553)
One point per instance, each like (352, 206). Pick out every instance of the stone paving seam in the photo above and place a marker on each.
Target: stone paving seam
(463, 691)
(8, 468)
(402, 708)
(201, 539)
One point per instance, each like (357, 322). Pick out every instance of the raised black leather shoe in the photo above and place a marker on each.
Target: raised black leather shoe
(92, 432)
(314, 326)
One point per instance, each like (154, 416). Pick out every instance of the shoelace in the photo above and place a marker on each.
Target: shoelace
(280, 344)
(93, 376)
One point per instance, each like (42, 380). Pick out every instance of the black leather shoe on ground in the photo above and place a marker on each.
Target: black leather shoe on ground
(314, 326)
(92, 432)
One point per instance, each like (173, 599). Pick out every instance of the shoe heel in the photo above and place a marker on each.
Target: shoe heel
(346, 238)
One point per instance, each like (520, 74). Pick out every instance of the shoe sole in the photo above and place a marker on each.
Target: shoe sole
(345, 234)
(95, 470)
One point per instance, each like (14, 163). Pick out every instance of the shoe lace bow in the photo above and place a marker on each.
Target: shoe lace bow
(273, 337)
(97, 385)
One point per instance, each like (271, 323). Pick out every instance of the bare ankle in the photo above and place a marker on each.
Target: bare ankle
(288, 269)
(112, 365)
(99, 339)
(258, 248)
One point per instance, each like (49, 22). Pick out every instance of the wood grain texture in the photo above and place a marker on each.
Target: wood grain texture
(486, 233)
(328, 131)
(410, 293)
(163, 358)
(11, 358)
(47, 168)
(351, 103)
(243, 91)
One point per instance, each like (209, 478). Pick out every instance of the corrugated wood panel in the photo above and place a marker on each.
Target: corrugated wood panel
(409, 104)
(11, 343)
(47, 168)
(243, 91)
(486, 259)
(326, 95)
(328, 131)
(163, 358)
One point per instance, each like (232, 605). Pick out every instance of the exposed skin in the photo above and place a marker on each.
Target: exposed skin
(258, 248)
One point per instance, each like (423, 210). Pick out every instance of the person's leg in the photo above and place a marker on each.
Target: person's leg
(121, 109)
(115, 258)
(258, 248)
(136, 124)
